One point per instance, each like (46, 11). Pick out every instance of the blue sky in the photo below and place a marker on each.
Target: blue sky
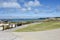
(29, 8)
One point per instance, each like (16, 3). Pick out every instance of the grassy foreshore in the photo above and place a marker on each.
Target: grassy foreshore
(40, 27)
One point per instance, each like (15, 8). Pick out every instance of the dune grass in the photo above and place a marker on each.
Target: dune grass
(40, 27)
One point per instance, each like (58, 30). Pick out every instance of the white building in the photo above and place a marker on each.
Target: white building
(12, 25)
(2, 26)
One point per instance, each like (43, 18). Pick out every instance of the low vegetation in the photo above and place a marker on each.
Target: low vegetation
(40, 26)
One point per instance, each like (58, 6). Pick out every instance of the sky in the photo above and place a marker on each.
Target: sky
(29, 8)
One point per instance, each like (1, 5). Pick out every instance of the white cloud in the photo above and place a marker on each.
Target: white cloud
(29, 8)
(10, 5)
(32, 3)
(37, 3)
(8, 0)
(23, 9)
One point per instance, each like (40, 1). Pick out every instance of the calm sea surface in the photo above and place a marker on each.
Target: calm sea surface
(19, 20)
